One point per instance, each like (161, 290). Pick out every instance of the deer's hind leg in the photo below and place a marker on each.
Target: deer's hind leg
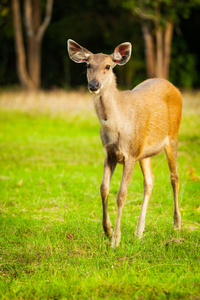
(109, 167)
(171, 154)
(147, 172)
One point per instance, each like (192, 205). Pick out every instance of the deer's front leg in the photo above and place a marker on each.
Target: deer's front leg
(121, 196)
(109, 167)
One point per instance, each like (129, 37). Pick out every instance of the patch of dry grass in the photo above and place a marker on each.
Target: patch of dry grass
(61, 101)
(191, 102)
(53, 102)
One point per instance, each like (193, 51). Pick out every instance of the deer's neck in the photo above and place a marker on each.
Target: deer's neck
(106, 103)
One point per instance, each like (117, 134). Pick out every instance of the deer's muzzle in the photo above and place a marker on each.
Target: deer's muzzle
(94, 86)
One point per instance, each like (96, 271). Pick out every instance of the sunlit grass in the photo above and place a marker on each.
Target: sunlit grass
(52, 245)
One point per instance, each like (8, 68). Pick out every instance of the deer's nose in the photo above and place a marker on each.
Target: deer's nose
(93, 85)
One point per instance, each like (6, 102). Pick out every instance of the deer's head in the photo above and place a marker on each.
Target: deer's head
(99, 66)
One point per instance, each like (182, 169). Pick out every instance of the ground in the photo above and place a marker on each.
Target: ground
(52, 245)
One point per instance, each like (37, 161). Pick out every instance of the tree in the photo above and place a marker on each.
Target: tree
(29, 65)
(157, 40)
(158, 18)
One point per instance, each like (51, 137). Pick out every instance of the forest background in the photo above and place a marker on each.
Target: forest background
(100, 26)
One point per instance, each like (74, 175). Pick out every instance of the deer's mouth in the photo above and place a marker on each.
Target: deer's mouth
(95, 92)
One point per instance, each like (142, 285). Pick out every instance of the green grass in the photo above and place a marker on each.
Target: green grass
(52, 244)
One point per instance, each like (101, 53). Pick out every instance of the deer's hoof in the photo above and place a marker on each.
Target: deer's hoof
(138, 233)
(116, 240)
(108, 230)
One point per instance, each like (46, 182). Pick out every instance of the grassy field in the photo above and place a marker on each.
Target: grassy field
(51, 241)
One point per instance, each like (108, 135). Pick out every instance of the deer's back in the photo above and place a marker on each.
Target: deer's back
(160, 101)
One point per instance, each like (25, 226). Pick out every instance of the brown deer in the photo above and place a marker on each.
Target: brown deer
(135, 125)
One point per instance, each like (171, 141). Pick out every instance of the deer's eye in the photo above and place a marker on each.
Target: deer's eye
(107, 67)
(89, 66)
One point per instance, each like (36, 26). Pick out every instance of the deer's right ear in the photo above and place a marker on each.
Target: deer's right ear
(77, 53)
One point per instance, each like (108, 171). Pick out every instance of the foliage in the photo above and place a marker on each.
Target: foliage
(170, 10)
(51, 243)
(99, 26)
(183, 70)
(7, 55)
(4, 11)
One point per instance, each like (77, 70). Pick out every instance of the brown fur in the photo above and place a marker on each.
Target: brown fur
(135, 125)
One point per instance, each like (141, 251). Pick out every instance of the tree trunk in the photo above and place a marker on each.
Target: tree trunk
(158, 61)
(33, 18)
(149, 49)
(159, 40)
(163, 52)
(24, 78)
(34, 61)
(167, 48)
(35, 31)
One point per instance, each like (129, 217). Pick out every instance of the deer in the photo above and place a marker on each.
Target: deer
(135, 125)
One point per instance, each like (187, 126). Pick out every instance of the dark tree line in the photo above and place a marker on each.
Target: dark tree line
(29, 62)
(164, 35)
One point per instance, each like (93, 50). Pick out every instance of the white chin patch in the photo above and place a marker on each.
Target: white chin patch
(95, 92)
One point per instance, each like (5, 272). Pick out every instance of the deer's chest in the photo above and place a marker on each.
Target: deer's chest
(111, 141)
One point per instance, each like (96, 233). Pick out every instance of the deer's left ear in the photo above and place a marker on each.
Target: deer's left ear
(122, 54)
